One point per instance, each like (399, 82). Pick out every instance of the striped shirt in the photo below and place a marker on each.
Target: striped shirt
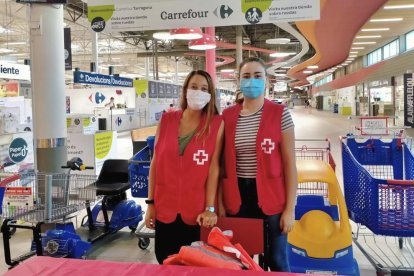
(246, 132)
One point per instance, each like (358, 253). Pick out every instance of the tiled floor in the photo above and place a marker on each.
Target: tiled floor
(123, 246)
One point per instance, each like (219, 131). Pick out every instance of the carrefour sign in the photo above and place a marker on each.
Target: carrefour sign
(132, 15)
(98, 79)
(14, 71)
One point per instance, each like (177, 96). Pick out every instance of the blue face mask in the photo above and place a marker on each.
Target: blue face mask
(252, 88)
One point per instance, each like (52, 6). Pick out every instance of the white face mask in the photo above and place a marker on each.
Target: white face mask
(197, 99)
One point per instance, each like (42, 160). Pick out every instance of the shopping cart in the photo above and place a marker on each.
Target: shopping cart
(380, 200)
(139, 166)
(38, 199)
(314, 149)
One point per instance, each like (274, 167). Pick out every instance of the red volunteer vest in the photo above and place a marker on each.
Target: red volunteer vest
(269, 174)
(180, 181)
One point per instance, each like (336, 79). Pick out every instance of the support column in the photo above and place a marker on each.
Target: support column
(239, 45)
(147, 68)
(211, 55)
(48, 85)
(95, 49)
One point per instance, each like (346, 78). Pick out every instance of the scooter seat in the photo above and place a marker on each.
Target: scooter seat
(113, 178)
(111, 189)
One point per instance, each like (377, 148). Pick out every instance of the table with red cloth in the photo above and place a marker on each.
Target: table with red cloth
(45, 266)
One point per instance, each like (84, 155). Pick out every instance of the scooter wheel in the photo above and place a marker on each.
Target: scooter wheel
(143, 243)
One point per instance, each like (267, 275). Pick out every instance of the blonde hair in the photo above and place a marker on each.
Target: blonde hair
(210, 109)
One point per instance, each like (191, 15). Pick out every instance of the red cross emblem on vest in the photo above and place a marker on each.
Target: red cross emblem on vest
(200, 157)
(268, 145)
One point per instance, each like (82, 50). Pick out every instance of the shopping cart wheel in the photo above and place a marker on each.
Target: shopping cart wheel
(143, 243)
(132, 228)
(400, 243)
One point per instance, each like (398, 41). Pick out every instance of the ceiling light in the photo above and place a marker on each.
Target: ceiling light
(395, 7)
(353, 52)
(5, 51)
(186, 33)
(282, 54)
(357, 48)
(352, 56)
(364, 43)
(387, 19)
(206, 42)
(368, 36)
(278, 40)
(313, 67)
(162, 35)
(375, 29)
(280, 75)
(16, 43)
(286, 67)
(227, 70)
(307, 72)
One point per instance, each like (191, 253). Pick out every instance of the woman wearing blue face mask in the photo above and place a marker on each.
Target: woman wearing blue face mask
(260, 178)
(184, 170)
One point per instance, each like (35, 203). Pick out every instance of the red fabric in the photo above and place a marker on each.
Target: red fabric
(180, 182)
(269, 175)
(48, 266)
(218, 253)
(243, 231)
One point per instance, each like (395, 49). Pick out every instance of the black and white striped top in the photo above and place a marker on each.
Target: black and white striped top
(246, 132)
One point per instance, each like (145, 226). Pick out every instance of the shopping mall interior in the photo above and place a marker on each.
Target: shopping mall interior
(92, 79)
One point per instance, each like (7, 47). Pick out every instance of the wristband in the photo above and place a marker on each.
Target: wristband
(149, 201)
(210, 209)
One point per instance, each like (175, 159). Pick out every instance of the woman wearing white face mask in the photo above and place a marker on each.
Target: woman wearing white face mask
(184, 170)
(260, 178)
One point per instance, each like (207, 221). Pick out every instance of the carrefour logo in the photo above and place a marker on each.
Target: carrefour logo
(18, 150)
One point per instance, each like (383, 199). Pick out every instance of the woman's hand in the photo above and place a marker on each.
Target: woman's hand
(150, 217)
(207, 219)
(286, 221)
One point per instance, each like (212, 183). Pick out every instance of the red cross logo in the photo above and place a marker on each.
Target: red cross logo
(268, 145)
(200, 157)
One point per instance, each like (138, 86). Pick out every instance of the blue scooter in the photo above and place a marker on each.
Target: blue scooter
(109, 215)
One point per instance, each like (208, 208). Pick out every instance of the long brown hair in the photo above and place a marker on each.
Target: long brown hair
(239, 95)
(210, 109)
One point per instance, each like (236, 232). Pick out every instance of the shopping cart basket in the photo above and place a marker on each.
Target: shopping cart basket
(314, 149)
(39, 198)
(380, 199)
(139, 166)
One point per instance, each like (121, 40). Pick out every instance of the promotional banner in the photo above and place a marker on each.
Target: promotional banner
(99, 79)
(68, 49)
(14, 71)
(152, 89)
(408, 100)
(129, 15)
(16, 152)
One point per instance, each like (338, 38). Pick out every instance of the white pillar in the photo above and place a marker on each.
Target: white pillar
(94, 38)
(239, 45)
(48, 84)
(147, 68)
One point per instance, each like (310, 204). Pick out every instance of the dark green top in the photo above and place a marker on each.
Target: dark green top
(184, 140)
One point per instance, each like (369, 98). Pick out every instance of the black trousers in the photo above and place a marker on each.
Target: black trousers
(169, 237)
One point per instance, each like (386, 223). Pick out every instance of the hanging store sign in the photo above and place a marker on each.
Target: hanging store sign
(14, 71)
(129, 15)
(98, 79)
(408, 100)
(68, 49)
